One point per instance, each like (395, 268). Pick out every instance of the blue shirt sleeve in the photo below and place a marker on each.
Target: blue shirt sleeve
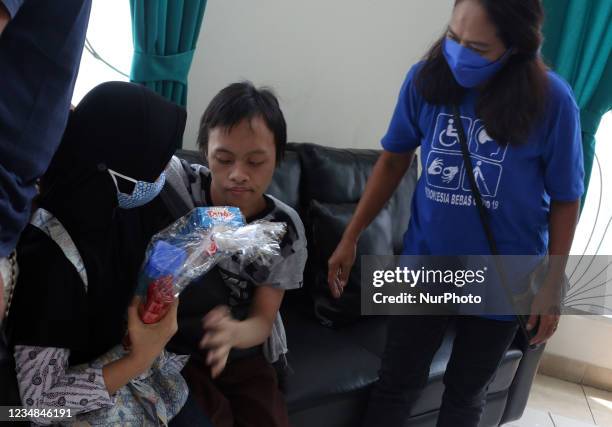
(563, 158)
(404, 134)
(12, 6)
(40, 55)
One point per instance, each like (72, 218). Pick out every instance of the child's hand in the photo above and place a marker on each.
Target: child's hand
(219, 337)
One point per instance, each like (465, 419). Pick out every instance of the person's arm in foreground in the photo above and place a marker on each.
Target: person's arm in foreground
(45, 377)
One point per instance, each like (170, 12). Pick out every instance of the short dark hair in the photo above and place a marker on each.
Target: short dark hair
(240, 101)
(515, 98)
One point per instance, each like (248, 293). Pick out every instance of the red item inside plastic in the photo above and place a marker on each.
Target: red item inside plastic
(160, 294)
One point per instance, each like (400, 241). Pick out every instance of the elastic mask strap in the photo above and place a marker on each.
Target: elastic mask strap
(114, 175)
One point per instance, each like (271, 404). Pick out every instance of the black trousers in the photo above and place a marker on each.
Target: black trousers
(411, 344)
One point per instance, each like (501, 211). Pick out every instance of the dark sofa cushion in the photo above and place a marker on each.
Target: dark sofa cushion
(334, 175)
(326, 366)
(328, 221)
(333, 181)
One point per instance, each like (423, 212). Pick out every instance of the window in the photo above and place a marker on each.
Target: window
(597, 211)
(110, 34)
(594, 232)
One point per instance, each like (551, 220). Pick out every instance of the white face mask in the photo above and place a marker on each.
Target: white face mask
(143, 191)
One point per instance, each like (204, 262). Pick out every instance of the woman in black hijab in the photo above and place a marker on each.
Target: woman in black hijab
(67, 317)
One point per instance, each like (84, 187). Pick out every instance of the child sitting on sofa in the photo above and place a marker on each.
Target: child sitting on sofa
(229, 320)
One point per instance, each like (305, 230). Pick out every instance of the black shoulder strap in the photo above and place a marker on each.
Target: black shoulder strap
(482, 212)
(469, 170)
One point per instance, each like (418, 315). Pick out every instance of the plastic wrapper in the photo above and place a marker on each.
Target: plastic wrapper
(192, 245)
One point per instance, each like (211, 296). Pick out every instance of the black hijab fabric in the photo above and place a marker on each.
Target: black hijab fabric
(120, 126)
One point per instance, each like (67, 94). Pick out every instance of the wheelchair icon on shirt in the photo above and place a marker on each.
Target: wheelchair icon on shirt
(446, 134)
(449, 136)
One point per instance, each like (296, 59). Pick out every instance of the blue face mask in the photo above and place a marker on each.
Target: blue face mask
(143, 191)
(469, 68)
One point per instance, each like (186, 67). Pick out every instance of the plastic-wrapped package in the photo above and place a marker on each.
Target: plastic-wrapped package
(192, 245)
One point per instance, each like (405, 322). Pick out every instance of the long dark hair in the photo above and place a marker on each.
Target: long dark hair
(512, 100)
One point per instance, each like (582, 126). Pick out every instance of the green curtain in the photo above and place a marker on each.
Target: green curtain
(578, 44)
(165, 34)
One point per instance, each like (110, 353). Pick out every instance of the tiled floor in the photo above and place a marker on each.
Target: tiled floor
(557, 403)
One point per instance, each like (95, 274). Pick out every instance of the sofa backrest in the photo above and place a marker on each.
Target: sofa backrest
(324, 185)
(338, 176)
(332, 183)
(332, 176)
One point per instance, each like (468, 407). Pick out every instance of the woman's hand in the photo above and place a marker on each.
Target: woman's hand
(219, 337)
(148, 340)
(546, 307)
(340, 264)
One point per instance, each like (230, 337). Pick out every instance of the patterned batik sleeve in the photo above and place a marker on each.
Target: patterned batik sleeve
(46, 381)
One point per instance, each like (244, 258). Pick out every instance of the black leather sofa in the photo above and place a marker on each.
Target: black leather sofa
(334, 352)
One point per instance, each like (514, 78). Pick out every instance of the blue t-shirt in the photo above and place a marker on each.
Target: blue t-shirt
(517, 183)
